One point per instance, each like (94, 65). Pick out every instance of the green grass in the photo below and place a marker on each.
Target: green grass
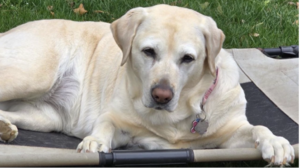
(239, 19)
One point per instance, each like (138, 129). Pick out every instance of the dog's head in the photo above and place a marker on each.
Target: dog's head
(167, 48)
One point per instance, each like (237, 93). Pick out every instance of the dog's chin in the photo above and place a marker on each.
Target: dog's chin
(155, 114)
(162, 109)
(159, 107)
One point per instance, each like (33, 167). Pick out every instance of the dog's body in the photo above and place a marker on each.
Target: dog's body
(59, 75)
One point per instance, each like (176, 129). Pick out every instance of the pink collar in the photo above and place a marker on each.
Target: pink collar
(202, 127)
(208, 92)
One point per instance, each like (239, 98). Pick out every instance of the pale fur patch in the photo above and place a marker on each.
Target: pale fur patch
(64, 94)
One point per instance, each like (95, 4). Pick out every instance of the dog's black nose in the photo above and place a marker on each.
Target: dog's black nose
(162, 94)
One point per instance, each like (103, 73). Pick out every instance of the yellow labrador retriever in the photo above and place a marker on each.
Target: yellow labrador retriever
(176, 87)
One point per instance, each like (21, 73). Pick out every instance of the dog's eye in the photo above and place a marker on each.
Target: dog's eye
(187, 59)
(149, 52)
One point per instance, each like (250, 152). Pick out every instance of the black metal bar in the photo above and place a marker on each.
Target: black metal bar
(272, 51)
(146, 157)
(283, 51)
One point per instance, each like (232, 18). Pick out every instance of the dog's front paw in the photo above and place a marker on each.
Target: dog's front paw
(8, 131)
(93, 144)
(276, 150)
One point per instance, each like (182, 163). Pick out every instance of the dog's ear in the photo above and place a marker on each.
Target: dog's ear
(214, 38)
(124, 30)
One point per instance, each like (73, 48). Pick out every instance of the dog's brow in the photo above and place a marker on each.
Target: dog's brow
(150, 43)
(187, 49)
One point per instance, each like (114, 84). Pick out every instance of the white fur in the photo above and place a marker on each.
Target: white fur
(68, 78)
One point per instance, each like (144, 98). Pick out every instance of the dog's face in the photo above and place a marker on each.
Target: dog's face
(167, 57)
(167, 48)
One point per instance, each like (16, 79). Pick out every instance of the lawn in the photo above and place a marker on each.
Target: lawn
(246, 23)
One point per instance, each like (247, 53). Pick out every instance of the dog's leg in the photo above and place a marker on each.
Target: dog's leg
(275, 150)
(23, 82)
(25, 73)
(101, 137)
(29, 118)
(8, 131)
(152, 142)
